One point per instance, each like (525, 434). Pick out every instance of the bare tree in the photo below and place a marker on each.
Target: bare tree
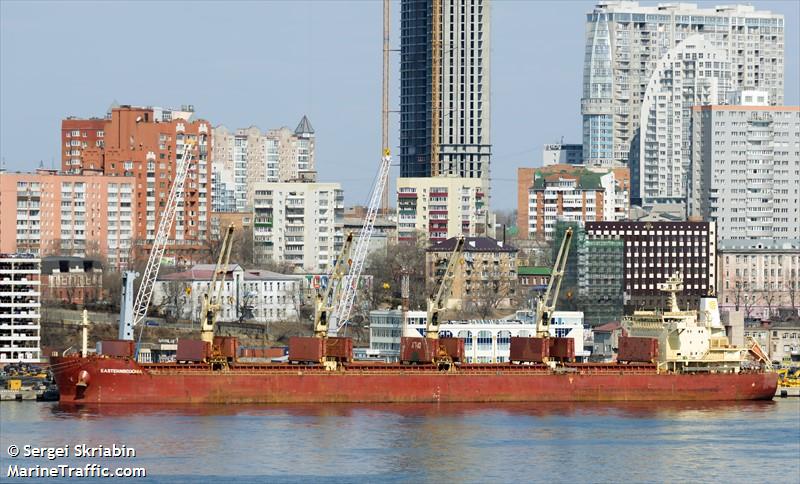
(770, 296)
(387, 271)
(792, 288)
(172, 299)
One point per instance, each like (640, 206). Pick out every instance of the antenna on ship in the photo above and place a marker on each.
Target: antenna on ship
(673, 285)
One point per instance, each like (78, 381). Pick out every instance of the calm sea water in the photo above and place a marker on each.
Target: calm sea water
(664, 442)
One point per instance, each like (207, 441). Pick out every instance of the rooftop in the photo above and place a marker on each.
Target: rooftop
(533, 271)
(473, 244)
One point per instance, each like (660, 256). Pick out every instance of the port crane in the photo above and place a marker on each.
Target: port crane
(343, 303)
(326, 300)
(133, 311)
(546, 305)
(437, 301)
(212, 299)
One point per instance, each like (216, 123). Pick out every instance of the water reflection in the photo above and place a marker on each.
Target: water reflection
(536, 409)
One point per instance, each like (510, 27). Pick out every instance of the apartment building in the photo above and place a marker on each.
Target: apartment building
(565, 192)
(253, 295)
(298, 222)
(248, 156)
(45, 213)
(758, 277)
(144, 144)
(745, 168)
(653, 251)
(562, 154)
(625, 41)
(445, 63)
(442, 207)
(487, 278)
(694, 73)
(20, 327)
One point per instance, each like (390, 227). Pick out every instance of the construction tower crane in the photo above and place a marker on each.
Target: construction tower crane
(133, 315)
(326, 301)
(437, 301)
(212, 299)
(436, 86)
(546, 305)
(344, 302)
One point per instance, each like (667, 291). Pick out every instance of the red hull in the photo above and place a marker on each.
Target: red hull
(112, 380)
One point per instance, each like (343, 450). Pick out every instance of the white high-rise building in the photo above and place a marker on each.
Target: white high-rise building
(248, 156)
(694, 73)
(625, 41)
(745, 169)
(298, 222)
(19, 308)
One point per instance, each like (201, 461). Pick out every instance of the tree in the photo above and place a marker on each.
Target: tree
(173, 296)
(792, 288)
(770, 297)
(387, 270)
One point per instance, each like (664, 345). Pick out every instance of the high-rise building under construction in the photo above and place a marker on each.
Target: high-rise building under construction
(444, 74)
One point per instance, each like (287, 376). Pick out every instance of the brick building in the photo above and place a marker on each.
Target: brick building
(569, 193)
(72, 280)
(487, 276)
(143, 144)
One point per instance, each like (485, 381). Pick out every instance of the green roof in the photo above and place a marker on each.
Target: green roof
(533, 271)
(586, 179)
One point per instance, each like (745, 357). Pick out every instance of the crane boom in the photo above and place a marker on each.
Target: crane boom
(212, 299)
(142, 301)
(547, 304)
(344, 303)
(324, 301)
(437, 302)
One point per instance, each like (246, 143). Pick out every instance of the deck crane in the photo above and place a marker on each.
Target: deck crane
(132, 315)
(546, 305)
(436, 303)
(326, 300)
(343, 304)
(212, 299)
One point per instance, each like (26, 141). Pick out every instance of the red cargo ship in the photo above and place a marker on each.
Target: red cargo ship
(99, 379)
(671, 355)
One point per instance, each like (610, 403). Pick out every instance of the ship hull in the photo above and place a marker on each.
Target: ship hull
(110, 380)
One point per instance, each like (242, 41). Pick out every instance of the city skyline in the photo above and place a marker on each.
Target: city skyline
(331, 75)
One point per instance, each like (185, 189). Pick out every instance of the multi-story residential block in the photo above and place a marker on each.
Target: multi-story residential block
(71, 280)
(695, 72)
(745, 169)
(144, 143)
(299, 223)
(445, 89)
(253, 294)
(248, 156)
(562, 154)
(442, 207)
(625, 41)
(46, 213)
(486, 280)
(758, 277)
(653, 251)
(19, 308)
(569, 193)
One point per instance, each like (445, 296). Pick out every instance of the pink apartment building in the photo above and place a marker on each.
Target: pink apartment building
(47, 213)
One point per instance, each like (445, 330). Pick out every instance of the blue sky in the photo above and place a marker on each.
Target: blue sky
(268, 63)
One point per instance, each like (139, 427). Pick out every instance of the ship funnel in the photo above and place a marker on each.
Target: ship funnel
(708, 312)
